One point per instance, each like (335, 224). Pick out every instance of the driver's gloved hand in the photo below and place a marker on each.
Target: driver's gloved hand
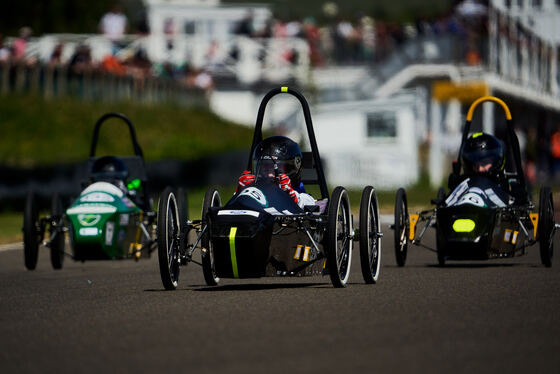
(245, 179)
(286, 185)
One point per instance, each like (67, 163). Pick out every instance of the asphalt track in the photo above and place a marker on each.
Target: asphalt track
(482, 317)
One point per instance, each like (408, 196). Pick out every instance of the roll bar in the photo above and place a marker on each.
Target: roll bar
(100, 121)
(257, 136)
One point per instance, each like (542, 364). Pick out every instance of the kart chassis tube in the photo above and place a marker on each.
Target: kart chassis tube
(257, 137)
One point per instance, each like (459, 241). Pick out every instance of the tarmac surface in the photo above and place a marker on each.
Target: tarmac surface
(114, 316)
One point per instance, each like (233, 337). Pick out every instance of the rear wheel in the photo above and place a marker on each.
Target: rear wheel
(31, 232)
(402, 227)
(338, 237)
(57, 233)
(370, 242)
(211, 199)
(546, 226)
(169, 235)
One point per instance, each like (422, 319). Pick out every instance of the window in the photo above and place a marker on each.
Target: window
(189, 27)
(508, 4)
(537, 4)
(381, 125)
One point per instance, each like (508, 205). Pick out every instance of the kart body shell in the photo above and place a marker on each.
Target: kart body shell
(256, 234)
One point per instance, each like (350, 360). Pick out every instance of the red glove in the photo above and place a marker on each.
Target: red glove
(245, 179)
(286, 185)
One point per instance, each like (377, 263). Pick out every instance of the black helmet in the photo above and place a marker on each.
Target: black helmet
(109, 168)
(278, 153)
(481, 150)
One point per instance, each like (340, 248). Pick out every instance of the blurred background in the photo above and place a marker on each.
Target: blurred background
(389, 83)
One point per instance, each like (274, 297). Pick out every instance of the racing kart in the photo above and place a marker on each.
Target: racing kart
(104, 221)
(262, 232)
(478, 219)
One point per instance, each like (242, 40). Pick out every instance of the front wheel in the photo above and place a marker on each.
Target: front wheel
(338, 237)
(546, 226)
(31, 232)
(57, 233)
(168, 238)
(402, 227)
(370, 241)
(211, 199)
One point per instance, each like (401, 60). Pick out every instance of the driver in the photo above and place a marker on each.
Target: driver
(483, 154)
(112, 170)
(279, 158)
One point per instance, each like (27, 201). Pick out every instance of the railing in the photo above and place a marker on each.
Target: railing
(94, 84)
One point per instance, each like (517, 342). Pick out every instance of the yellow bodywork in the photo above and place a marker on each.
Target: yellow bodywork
(535, 220)
(413, 221)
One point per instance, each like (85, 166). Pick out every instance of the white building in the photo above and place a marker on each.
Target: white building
(372, 142)
(541, 16)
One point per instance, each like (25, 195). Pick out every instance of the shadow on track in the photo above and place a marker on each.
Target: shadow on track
(247, 287)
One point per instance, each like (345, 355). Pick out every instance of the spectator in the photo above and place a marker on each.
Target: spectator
(245, 26)
(555, 152)
(114, 25)
(20, 44)
(81, 60)
(4, 51)
(56, 55)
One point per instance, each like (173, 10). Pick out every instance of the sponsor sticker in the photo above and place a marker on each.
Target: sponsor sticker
(507, 235)
(256, 194)
(97, 197)
(88, 219)
(514, 237)
(238, 213)
(124, 219)
(109, 231)
(88, 231)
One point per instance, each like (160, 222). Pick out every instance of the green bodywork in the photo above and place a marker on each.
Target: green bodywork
(104, 223)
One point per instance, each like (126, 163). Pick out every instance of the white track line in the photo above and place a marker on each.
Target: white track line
(11, 246)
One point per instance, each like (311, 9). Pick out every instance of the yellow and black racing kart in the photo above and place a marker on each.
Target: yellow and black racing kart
(479, 219)
(261, 232)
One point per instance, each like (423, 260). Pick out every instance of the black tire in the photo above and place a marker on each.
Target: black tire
(211, 199)
(168, 233)
(338, 243)
(56, 230)
(545, 227)
(402, 227)
(31, 232)
(370, 242)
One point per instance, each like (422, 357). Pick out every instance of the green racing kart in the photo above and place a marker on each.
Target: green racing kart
(112, 218)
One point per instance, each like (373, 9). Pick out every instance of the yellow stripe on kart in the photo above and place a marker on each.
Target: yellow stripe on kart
(232, 233)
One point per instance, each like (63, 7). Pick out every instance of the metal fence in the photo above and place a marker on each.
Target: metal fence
(95, 85)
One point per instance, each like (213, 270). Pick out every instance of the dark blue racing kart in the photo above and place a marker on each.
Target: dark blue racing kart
(261, 231)
(478, 219)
